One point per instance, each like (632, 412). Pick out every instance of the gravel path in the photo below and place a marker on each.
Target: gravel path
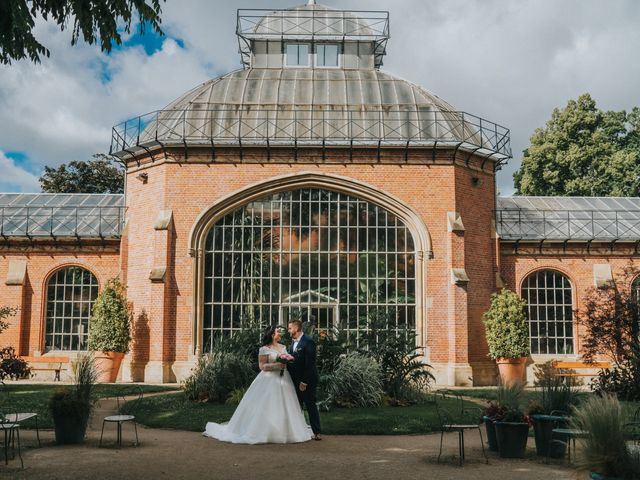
(184, 455)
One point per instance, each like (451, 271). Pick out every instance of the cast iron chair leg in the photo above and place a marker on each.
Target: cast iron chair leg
(19, 452)
(484, 453)
(101, 434)
(38, 432)
(6, 447)
(135, 426)
(440, 454)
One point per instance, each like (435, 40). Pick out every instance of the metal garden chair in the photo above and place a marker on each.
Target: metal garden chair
(122, 418)
(10, 429)
(458, 419)
(18, 417)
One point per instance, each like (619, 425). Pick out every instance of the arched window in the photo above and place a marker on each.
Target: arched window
(325, 257)
(549, 311)
(635, 290)
(71, 292)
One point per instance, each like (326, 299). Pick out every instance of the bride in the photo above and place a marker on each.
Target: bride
(269, 412)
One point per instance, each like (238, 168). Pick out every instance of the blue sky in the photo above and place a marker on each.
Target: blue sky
(511, 62)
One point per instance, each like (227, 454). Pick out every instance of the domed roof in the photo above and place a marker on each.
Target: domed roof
(302, 104)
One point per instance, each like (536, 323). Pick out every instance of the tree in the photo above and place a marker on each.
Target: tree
(6, 312)
(96, 20)
(583, 151)
(100, 175)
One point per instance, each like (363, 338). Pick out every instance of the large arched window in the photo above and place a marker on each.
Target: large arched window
(635, 290)
(549, 311)
(328, 258)
(71, 292)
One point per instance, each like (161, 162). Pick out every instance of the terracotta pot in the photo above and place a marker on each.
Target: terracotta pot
(108, 365)
(512, 369)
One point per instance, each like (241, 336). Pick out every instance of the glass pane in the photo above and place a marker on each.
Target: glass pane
(327, 55)
(297, 54)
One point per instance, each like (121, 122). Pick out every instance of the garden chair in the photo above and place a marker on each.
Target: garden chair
(121, 418)
(632, 428)
(458, 419)
(18, 417)
(10, 429)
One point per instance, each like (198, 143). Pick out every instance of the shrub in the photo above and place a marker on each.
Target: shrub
(506, 326)
(355, 382)
(509, 398)
(235, 397)
(110, 319)
(13, 366)
(544, 371)
(558, 393)
(604, 447)
(623, 379)
(6, 312)
(217, 375)
(400, 360)
(244, 342)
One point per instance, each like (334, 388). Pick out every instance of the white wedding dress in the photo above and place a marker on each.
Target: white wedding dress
(269, 412)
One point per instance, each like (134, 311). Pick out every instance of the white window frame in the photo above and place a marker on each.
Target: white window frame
(297, 44)
(338, 53)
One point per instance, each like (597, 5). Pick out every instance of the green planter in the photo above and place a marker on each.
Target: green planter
(543, 426)
(597, 476)
(491, 433)
(70, 430)
(512, 439)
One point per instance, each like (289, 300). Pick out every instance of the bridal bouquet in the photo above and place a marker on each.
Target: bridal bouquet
(284, 358)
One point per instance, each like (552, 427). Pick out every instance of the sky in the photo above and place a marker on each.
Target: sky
(509, 61)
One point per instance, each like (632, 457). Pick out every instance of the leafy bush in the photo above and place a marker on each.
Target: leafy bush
(604, 447)
(235, 397)
(13, 366)
(110, 319)
(544, 371)
(558, 393)
(244, 342)
(6, 312)
(506, 326)
(77, 401)
(64, 403)
(395, 350)
(508, 404)
(217, 375)
(355, 382)
(623, 379)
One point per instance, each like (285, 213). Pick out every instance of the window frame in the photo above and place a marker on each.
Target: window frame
(338, 55)
(298, 44)
(547, 307)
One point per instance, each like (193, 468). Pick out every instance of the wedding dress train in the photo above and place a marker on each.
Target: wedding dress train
(269, 411)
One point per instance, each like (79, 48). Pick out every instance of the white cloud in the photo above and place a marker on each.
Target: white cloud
(13, 178)
(511, 62)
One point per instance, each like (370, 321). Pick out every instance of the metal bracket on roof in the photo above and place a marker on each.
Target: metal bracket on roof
(241, 149)
(455, 151)
(268, 150)
(485, 160)
(324, 149)
(133, 155)
(636, 250)
(540, 245)
(186, 150)
(589, 245)
(163, 147)
(351, 150)
(379, 150)
(516, 246)
(433, 151)
(612, 244)
(295, 149)
(213, 150)
(147, 150)
(564, 245)
(472, 152)
(406, 151)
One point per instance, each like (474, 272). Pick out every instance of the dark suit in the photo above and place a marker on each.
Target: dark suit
(303, 370)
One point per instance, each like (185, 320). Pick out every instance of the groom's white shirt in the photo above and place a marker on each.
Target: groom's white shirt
(295, 342)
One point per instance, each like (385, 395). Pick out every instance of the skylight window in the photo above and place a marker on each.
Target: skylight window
(297, 54)
(327, 55)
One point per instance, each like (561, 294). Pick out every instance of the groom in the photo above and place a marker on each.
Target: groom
(304, 373)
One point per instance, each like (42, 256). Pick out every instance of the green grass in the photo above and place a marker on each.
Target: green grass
(174, 411)
(35, 398)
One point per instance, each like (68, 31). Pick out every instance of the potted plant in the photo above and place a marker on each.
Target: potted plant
(507, 334)
(511, 424)
(558, 397)
(605, 453)
(109, 334)
(491, 411)
(70, 408)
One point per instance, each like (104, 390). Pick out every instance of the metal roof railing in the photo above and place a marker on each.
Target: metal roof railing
(59, 222)
(584, 225)
(312, 25)
(286, 127)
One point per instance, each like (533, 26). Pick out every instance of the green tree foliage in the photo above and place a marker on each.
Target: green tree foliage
(101, 21)
(583, 151)
(100, 175)
(6, 312)
(110, 320)
(506, 326)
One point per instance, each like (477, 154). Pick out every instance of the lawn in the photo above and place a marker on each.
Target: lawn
(35, 397)
(174, 411)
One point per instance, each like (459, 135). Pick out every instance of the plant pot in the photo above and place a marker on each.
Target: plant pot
(70, 429)
(512, 439)
(512, 369)
(543, 426)
(491, 433)
(598, 476)
(108, 365)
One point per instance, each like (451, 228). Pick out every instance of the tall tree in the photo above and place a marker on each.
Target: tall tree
(96, 20)
(583, 151)
(100, 175)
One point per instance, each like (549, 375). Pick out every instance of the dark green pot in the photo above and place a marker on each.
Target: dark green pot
(70, 430)
(543, 426)
(597, 476)
(512, 439)
(491, 433)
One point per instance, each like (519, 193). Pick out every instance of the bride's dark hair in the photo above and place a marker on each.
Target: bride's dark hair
(267, 336)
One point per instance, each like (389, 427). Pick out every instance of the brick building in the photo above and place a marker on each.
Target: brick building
(308, 184)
